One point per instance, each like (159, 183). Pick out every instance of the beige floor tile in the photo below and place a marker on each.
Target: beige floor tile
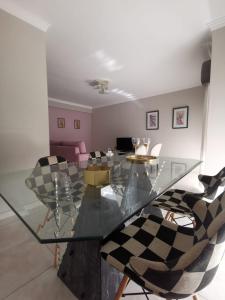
(9, 220)
(134, 288)
(3, 206)
(47, 286)
(199, 298)
(20, 264)
(12, 233)
(51, 248)
(215, 290)
(6, 215)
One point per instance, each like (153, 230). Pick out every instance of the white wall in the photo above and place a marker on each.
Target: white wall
(128, 119)
(24, 133)
(217, 8)
(215, 134)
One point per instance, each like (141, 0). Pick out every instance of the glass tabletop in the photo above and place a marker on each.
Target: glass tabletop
(64, 202)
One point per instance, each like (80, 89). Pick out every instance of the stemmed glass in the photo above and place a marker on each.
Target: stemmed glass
(146, 141)
(135, 142)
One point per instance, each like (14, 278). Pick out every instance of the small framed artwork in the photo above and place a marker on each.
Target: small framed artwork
(61, 122)
(177, 169)
(180, 117)
(152, 120)
(77, 124)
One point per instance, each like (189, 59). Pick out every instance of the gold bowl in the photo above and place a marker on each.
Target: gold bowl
(97, 175)
(141, 158)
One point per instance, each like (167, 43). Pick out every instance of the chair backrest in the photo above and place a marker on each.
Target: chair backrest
(41, 181)
(213, 185)
(50, 160)
(209, 240)
(195, 269)
(97, 154)
(155, 151)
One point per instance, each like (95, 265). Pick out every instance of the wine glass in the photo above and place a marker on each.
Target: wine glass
(135, 142)
(146, 141)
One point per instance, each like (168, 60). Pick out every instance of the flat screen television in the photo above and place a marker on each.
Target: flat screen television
(124, 144)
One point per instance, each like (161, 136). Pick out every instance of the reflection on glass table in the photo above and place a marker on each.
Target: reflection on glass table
(57, 205)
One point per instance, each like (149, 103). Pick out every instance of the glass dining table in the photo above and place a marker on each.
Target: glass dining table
(58, 204)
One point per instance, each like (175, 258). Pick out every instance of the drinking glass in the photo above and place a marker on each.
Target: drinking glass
(146, 141)
(135, 141)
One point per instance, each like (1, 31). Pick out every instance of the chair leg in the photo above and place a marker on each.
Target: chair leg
(46, 219)
(56, 256)
(172, 218)
(194, 223)
(167, 217)
(195, 297)
(121, 288)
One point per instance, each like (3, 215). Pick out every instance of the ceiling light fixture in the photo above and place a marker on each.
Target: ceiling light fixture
(100, 85)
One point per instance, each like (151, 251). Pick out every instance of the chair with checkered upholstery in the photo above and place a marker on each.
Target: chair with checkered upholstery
(172, 200)
(166, 259)
(41, 182)
(97, 154)
(50, 160)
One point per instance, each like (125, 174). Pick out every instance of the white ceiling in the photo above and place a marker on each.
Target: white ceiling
(143, 47)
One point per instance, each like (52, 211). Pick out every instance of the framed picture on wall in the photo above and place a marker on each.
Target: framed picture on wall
(77, 124)
(152, 120)
(61, 122)
(180, 117)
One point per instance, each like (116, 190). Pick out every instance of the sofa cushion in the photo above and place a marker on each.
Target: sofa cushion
(77, 150)
(82, 147)
(82, 157)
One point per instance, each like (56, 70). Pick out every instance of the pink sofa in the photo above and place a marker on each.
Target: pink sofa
(71, 151)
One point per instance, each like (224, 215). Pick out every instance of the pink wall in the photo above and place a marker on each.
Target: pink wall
(69, 133)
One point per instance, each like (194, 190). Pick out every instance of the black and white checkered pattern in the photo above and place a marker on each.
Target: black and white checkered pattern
(211, 183)
(50, 160)
(41, 182)
(97, 154)
(170, 260)
(172, 200)
(103, 160)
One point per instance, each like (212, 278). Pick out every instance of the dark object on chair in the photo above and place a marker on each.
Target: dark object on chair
(124, 144)
(168, 260)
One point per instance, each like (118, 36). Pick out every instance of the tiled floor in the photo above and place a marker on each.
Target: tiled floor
(26, 271)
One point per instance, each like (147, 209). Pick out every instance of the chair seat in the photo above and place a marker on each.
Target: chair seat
(147, 238)
(172, 201)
